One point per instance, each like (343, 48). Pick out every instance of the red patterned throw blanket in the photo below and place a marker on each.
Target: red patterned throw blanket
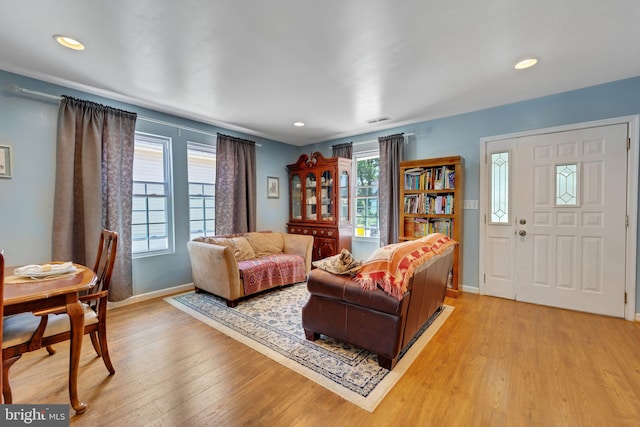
(392, 266)
(271, 270)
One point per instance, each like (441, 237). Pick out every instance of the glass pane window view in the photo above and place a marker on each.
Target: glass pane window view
(567, 185)
(150, 211)
(366, 192)
(201, 165)
(500, 187)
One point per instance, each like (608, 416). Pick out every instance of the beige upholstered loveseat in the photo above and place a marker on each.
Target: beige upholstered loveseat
(236, 266)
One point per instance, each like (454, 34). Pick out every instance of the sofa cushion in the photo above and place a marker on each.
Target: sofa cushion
(265, 243)
(271, 270)
(243, 250)
(343, 288)
(220, 241)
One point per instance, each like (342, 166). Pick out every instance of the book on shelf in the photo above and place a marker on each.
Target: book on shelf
(437, 178)
(414, 171)
(451, 179)
(419, 227)
(429, 204)
(444, 226)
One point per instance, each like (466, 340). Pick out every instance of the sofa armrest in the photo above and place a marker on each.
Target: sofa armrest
(215, 270)
(299, 244)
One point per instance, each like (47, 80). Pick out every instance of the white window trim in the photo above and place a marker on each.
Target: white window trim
(197, 146)
(361, 155)
(168, 161)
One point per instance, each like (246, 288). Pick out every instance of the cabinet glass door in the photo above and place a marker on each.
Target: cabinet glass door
(311, 203)
(344, 196)
(326, 192)
(296, 197)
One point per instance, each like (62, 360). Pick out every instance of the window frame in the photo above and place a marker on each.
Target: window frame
(576, 185)
(207, 148)
(508, 195)
(363, 155)
(166, 143)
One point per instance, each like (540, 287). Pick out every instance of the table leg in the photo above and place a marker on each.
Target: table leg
(76, 318)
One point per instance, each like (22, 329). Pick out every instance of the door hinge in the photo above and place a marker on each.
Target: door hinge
(625, 297)
(626, 221)
(484, 280)
(628, 143)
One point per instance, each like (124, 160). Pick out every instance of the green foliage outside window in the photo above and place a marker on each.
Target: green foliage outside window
(367, 173)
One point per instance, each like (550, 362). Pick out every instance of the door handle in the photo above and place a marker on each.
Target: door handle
(523, 221)
(522, 233)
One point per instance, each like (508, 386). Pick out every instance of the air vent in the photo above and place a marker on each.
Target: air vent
(379, 119)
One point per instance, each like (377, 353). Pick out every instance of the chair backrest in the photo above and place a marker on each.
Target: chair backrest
(105, 260)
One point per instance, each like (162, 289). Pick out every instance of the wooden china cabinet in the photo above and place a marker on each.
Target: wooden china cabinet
(319, 202)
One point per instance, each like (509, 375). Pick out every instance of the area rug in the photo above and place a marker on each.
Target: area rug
(271, 324)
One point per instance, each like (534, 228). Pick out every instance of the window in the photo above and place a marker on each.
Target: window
(500, 187)
(366, 166)
(201, 166)
(151, 216)
(567, 185)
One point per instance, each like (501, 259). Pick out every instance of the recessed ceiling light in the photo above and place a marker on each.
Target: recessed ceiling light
(68, 42)
(299, 124)
(526, 63)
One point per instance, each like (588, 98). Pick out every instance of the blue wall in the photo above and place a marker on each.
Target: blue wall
(28, 125)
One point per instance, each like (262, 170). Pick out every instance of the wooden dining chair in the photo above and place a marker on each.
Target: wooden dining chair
(27, 332)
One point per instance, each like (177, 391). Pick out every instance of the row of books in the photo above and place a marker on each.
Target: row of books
(418, 227)
(438, 178)
(428, 204)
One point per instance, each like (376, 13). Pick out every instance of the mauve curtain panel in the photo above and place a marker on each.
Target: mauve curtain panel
(391, 154)
(235, 185)
(343, 150)
(94, 182)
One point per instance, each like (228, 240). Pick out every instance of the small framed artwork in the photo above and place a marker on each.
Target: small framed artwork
(273, 187)
(5, 161)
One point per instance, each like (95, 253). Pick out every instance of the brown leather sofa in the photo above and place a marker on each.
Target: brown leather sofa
(338, 307)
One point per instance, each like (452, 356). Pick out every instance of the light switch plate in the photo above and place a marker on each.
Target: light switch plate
(470, 204)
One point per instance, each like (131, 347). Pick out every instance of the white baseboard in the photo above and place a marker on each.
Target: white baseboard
(471, 289)
(637, 317)
(151, 295)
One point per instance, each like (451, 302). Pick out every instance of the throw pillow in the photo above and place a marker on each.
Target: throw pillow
(265, 243)
(243, 250)
(221, 241)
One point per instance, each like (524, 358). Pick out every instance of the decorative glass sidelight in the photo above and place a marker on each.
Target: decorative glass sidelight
(500, 187)
(567, 185)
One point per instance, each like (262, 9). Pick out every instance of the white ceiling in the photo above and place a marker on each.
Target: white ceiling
(258, 66)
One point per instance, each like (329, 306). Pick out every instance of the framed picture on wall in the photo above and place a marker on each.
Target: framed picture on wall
(5, 161)
(273, 187)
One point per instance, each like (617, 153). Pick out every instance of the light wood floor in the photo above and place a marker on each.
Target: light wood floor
(494, 363)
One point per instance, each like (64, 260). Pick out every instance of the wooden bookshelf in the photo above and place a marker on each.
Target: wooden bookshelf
(431, 201)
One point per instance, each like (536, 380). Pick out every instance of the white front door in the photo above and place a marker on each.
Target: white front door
(562, 242)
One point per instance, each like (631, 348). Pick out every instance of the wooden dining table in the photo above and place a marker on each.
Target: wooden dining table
(26, 294)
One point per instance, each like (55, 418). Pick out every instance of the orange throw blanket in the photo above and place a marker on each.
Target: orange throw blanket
(392, 266)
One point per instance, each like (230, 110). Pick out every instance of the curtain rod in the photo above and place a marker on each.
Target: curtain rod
(406, 140)
(146, 119)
